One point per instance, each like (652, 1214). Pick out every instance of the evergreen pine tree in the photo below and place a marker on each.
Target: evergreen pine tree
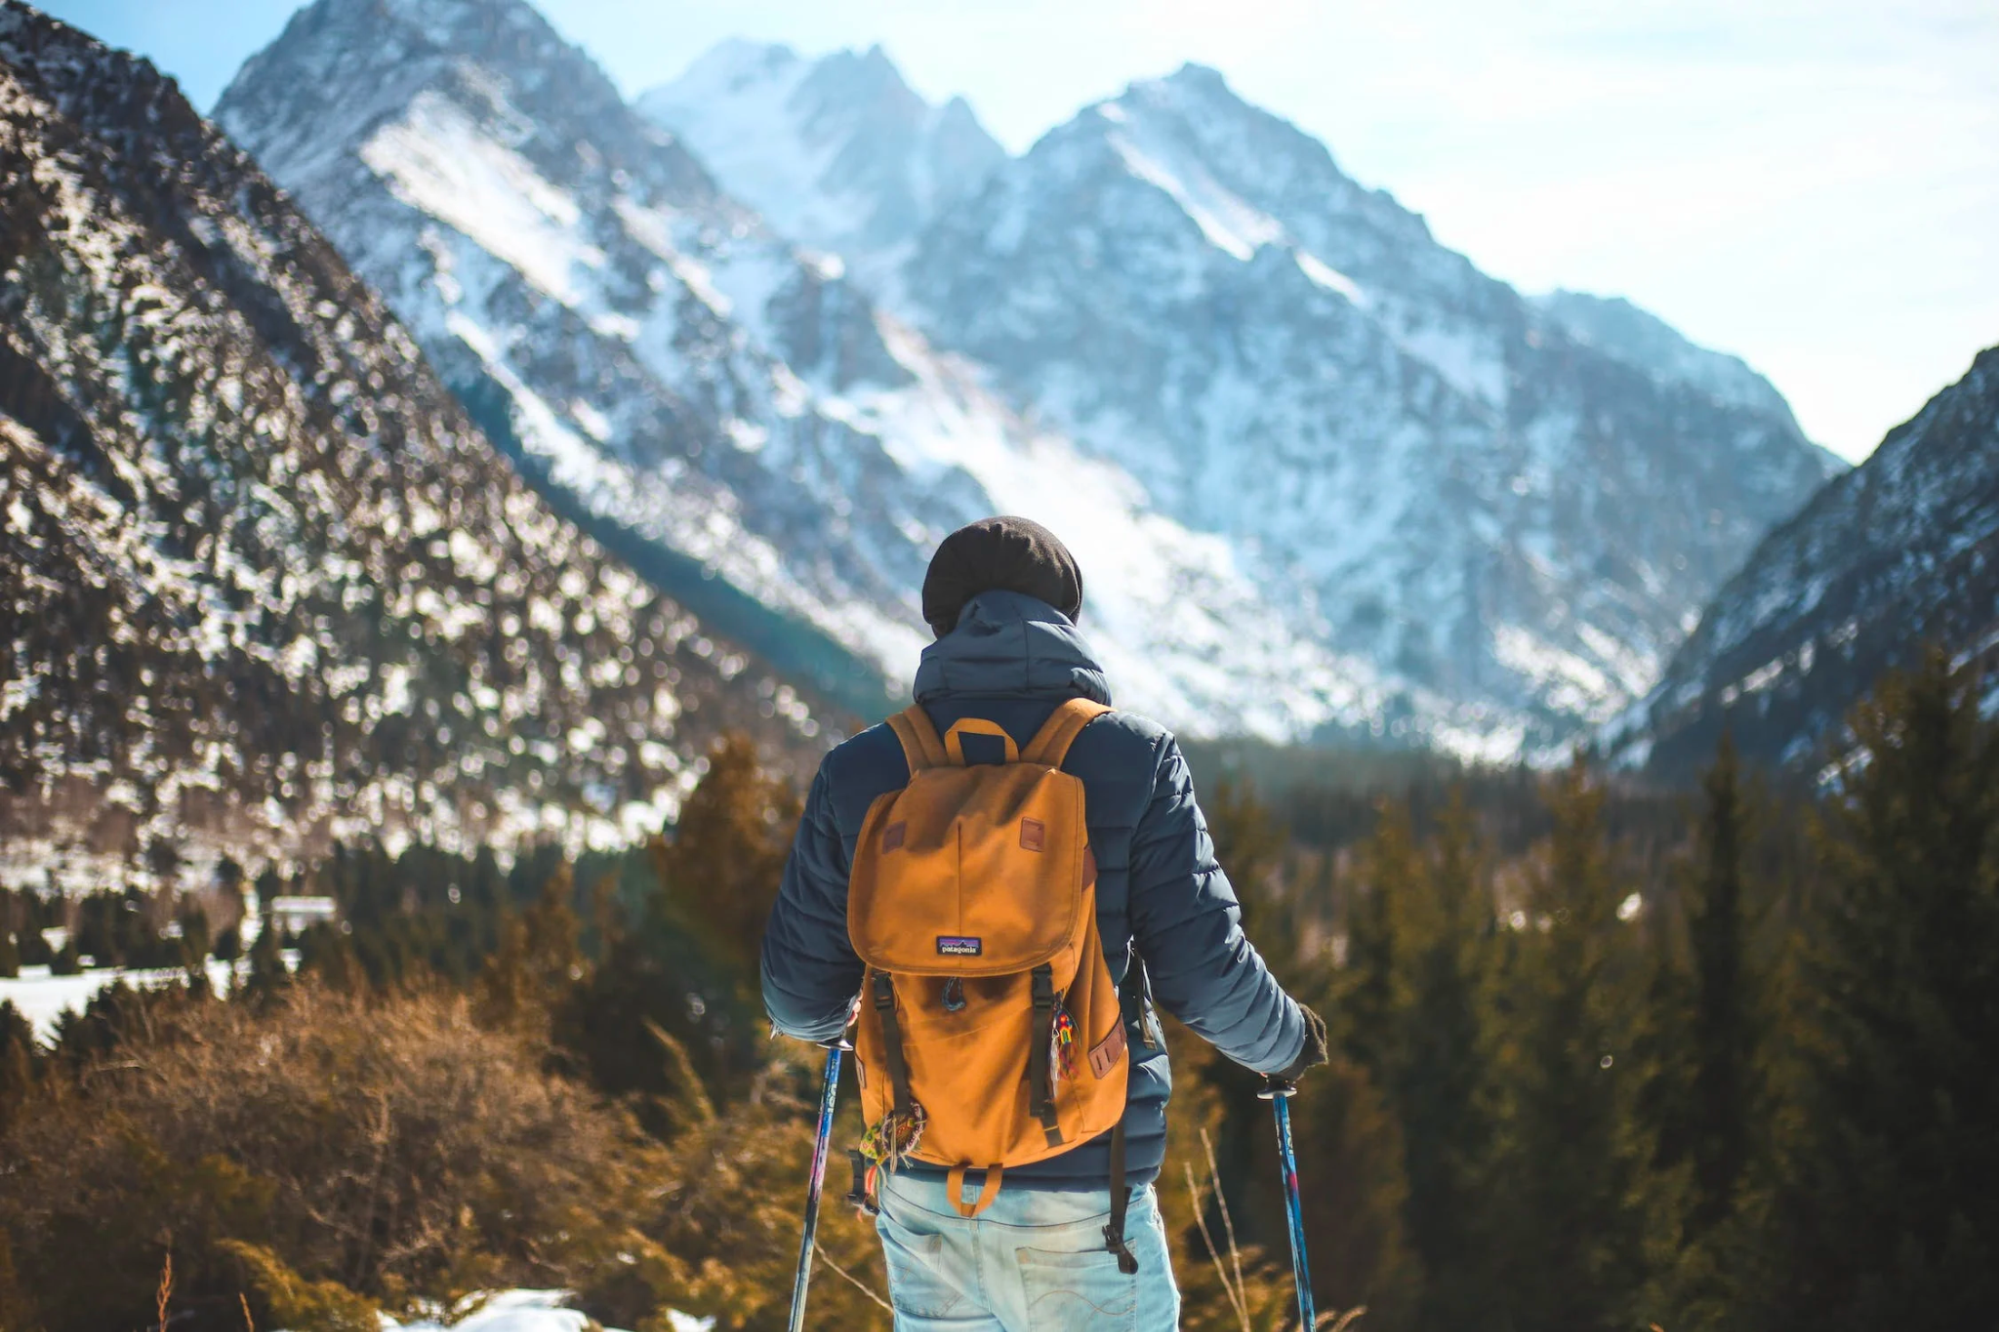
(1887, 1212)
(1569, 1235)
(1702, 1054)
(1725, 1028)
(1249, 846)
(723, 864)
(1369, 998)
(1440, 1084)
(267, 974)
(19, 1059)
(538, 960)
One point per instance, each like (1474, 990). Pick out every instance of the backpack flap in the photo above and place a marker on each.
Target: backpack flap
(972, 871)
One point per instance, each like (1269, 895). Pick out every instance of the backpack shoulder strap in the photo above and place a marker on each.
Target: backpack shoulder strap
(920, 745)
(1050, 745)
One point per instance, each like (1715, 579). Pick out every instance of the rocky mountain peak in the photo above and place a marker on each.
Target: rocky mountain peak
(735, 416)
(839, 153)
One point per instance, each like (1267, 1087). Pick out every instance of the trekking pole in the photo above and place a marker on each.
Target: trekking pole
(828, 1092)
(1279, 1092)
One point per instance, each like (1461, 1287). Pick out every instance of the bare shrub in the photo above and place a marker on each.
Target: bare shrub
(381, 1149)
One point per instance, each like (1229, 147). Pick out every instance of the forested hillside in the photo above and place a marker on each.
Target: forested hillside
(265, 586)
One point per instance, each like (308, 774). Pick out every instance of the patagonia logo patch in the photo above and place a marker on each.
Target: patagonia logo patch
(893, 835)
(1033, 834)
(961, 946)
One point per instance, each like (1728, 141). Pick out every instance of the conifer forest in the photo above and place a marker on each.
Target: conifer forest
(1604, 1058)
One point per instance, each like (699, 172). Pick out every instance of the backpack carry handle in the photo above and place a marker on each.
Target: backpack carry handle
(954, 744)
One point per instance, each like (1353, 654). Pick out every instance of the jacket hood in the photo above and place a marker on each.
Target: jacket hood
(1011, 646)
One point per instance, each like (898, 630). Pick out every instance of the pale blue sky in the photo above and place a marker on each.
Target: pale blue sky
(1813, 184)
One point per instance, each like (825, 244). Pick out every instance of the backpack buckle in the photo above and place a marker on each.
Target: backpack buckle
(862, 1194)
(1127, 1262)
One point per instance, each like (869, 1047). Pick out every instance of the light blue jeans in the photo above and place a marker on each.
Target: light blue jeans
(1035, 1259)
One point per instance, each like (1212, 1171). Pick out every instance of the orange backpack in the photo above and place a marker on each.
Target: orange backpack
(990, 1032)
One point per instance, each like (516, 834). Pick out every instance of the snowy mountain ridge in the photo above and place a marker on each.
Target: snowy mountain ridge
(1900, 553)
(696, 390)
(1640, 339)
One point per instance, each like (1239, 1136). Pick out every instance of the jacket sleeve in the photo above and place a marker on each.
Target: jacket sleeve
(810, 971)
(1188, 926)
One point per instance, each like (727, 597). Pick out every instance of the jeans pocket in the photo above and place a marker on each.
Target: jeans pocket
(1077, 1289)
(917, 1283)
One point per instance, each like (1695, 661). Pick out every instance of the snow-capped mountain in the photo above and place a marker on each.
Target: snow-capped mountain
(1437, 475)
(262, 583)
(1517, 507)
(731, 414)
(1900, 552)
(837, 153)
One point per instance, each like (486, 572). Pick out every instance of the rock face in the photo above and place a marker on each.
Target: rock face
(734, 416)
(1512, 510)
(1901, 552)
(263, 583)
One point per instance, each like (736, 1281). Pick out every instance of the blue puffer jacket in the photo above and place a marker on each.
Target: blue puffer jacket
(1011, 660)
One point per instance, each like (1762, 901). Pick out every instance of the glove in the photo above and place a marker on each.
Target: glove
(1314, 1050)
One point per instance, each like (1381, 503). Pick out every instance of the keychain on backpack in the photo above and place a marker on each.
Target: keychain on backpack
(1062, 1045)
(890, 1141)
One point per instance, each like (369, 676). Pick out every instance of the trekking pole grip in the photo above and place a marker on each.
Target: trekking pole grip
(1276, 1086)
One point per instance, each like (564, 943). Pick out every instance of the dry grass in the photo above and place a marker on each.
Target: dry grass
(388, 1148)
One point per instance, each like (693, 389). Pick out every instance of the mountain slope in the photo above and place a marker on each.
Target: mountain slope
(1441, 478)
(1899, 552)
(1643, 341)
(836, 153)
(264, 584)
(734, 416)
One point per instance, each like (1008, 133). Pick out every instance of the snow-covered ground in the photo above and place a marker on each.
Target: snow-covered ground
(527, 1310)
(44, 998)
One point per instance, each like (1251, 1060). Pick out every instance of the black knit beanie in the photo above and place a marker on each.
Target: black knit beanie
(1011, 554)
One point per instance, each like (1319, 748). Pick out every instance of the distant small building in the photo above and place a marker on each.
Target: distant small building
(294, 914)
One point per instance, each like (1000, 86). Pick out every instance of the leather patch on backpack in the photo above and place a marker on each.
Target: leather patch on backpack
(1033, 834)
(893, 835)
(1106, 1053)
